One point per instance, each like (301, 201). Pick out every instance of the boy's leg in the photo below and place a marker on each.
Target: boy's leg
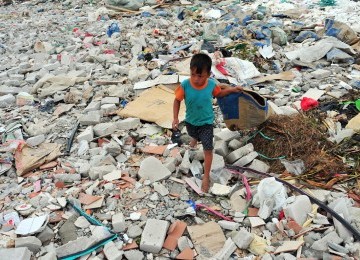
(208, 157)
(206, 136)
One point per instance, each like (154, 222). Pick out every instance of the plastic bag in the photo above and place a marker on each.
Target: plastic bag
(296, 167)
(270, 188)
(308, 103)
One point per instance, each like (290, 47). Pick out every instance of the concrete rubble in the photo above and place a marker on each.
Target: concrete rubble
(99, 182)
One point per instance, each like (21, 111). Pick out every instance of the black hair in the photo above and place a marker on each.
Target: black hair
(201, 62)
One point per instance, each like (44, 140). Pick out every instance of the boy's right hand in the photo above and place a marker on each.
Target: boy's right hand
(175, 124)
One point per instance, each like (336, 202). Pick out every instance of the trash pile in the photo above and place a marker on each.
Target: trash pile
(89, 165)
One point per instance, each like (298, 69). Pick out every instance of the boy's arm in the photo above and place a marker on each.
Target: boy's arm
(227, 89)
(176, 108)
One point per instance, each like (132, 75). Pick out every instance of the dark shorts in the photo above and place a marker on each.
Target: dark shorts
(204, 134)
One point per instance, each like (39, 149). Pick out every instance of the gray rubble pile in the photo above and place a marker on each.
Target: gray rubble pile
(88, 168)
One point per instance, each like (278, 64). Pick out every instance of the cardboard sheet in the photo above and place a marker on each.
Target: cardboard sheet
(154, 105)
(286, 75)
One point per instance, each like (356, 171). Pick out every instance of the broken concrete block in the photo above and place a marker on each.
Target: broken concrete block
(208, 238)
(46, 235)
(170, 164)
(128, 123)
(185, 163)
(246, 159)
(226, 135)
(153, 170)
(134, 255)
(87, 134)
(220, 190)
(153, 236)
(221, 148)
(31, 242)
(299, 209)
(21, 253)
(239, 153)
(7, 100)
(161, 189)
(104, 129)
(110, 100)
(100, 171)
(93, 106)
(228, 225)
(237, 200)
(184, 242)
(118, 222)
(258, 165)
(218, 163)
(108, 109)
(67, 177)
(91, 118)
(235, 144)
(111, 252)
(322, 243)
(228, 248)
(75, 246)
(35, 140)
(320, 74)
(243, 239)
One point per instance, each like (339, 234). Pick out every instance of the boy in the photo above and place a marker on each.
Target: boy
(198, 92)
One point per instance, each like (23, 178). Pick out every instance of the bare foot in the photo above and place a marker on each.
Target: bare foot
(193, 143)
(205, 184)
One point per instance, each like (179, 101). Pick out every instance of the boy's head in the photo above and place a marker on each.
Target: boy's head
(200, 67)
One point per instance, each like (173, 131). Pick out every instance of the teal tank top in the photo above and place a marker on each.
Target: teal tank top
(198, 102)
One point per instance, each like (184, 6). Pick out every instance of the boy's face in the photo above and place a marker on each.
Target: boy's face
(199, 79)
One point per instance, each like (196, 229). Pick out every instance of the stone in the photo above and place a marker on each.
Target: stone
(260, 166)
(128, 123)
(75, 246)
(221, 148)
(226, 135)
(7, 100)
(220, 190)
(170, 164)
(91, 118)
(218, 163)
(322, 243)
(46, 235)
(36, 140)
(208, 238)
(104, 129)
(184, 242)
(134, 231)
(118, 222)
(134, 255)
(82, 222)
(320, 74)
(86, 135)
(110, 100)
(185, 163)
(93, 106)
(239, 153)
(153, 236)
(246, 159)
(153, 170)
(111, 252)
(161, 189)
(31, 242)
(48, 256)
(228, 248)
(243, 239)
(20, 253)
(299, 209)
(237, 201)
(108, 109)
(228, 225)
(99, 171)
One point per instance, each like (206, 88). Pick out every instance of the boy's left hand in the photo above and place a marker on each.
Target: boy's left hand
(238, 89)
